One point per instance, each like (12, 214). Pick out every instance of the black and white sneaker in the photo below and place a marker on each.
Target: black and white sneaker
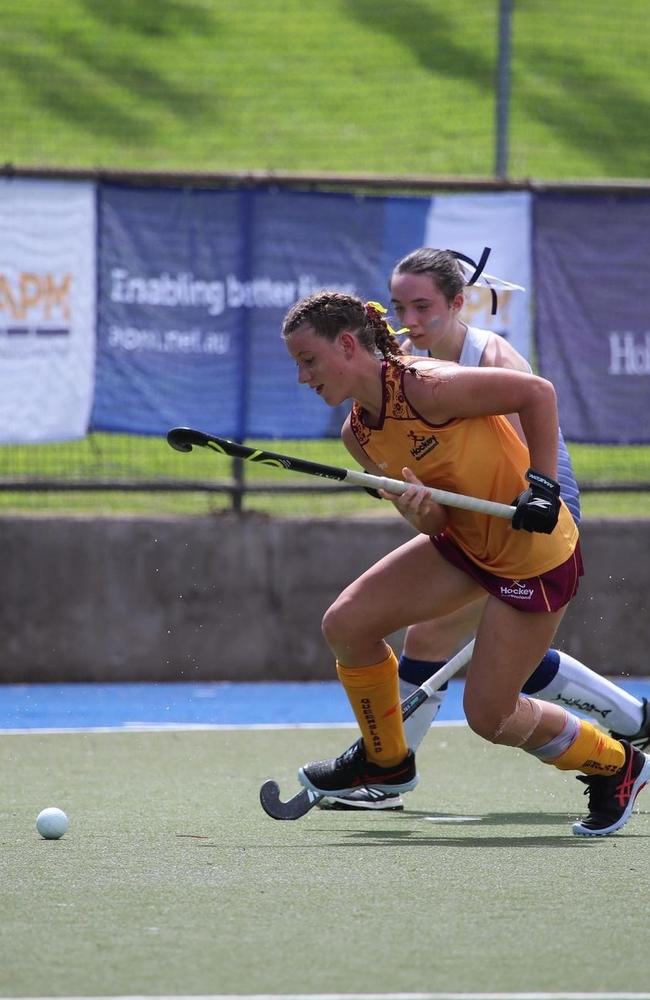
(352, 770)
(364, 798)
(640, 739)
(611, 799)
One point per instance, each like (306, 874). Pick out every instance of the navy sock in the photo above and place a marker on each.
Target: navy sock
(543, 674)
(418, 671)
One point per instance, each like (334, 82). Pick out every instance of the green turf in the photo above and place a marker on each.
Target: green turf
(171, 879)
(324, 85)
(123, 458)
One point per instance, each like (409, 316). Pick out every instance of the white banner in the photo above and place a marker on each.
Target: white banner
(502, 221)
(47, 309)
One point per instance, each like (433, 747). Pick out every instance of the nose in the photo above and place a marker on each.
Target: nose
(302, 375)
(410, 318)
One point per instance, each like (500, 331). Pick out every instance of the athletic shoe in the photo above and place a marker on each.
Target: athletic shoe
(640, 739)
(611, 799)
(364, 798)
(353, 770)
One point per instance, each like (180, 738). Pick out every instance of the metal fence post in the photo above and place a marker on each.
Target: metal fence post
(247, 209)
(503, 88)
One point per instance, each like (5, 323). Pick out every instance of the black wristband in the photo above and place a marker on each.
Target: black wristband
(539, 479)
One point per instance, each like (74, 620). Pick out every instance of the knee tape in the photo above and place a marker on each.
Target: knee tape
(516, 729)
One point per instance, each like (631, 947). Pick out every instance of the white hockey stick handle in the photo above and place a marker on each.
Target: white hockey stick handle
(422, 694)
(186, 438)
(441, 496)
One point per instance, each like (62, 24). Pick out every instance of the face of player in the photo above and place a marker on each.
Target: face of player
(323, 365)
(422, 308)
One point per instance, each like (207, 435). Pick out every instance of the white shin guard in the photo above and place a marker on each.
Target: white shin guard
(578, 688)
(417, 725)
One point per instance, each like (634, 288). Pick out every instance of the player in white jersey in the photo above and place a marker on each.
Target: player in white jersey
(427, 292)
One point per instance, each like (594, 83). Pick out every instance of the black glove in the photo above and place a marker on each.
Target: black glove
(538, 507)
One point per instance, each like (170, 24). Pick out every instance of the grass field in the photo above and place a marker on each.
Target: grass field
(401, 86)
(171, 880)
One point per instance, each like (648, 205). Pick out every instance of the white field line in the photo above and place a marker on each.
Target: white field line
(173, 727)
(550, 995)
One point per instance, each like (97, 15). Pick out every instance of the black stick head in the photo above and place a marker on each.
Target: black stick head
(296, 807)
(184, 438)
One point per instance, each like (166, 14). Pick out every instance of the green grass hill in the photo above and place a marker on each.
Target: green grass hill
(381, 86)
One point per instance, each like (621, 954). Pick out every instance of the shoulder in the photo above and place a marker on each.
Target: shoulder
(422, 381)
(498, 353)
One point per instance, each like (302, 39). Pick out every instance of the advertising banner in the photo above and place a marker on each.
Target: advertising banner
(192, 292)
(593, 325)
(166, 352)
(194, 286)
(304, 243)
(47, 309)
(502, 221)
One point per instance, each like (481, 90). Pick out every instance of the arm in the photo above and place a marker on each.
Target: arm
(458, 392)
(499, 353)
(357, 452)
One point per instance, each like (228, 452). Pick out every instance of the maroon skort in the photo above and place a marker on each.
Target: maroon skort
(548, 592)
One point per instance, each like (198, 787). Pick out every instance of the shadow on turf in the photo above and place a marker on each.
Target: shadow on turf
(410, 837)
(485, 819)
(385, 838)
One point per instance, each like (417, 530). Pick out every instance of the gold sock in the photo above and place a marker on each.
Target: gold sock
(373, 693)
(592, 752)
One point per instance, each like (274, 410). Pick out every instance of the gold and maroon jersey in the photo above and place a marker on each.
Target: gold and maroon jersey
(477, 456)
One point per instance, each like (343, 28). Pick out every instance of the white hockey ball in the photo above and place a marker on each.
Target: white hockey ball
(52, 823)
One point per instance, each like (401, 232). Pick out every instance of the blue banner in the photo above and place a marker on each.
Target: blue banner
(166, 352)
(593, 331)
(193, 287)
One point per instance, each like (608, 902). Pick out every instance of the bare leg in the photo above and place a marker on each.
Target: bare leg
(440, 638)
(412, 584)
(509, 645)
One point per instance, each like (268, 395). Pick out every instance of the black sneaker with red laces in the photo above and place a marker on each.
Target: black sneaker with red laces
(353, 770)
(611, 799)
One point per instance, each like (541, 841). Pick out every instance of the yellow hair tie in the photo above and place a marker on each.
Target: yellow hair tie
(377, 306)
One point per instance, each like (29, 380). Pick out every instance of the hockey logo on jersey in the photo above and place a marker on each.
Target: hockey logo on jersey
(422, 445)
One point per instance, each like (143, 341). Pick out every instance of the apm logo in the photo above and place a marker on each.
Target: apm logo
(422, 445)
(33, 303)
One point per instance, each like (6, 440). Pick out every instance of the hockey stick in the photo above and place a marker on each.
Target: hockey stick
(306, 799)
(184, 439)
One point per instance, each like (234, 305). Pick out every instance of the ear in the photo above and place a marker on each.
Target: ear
(458, 302)
(348, 343)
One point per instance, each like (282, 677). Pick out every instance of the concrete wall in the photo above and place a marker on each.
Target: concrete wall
(228, 598)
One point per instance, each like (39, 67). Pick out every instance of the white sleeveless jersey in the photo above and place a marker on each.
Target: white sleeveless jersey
(474, 345)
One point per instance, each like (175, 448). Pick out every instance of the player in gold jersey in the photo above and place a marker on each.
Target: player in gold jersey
(427, 291)
(449, 423)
